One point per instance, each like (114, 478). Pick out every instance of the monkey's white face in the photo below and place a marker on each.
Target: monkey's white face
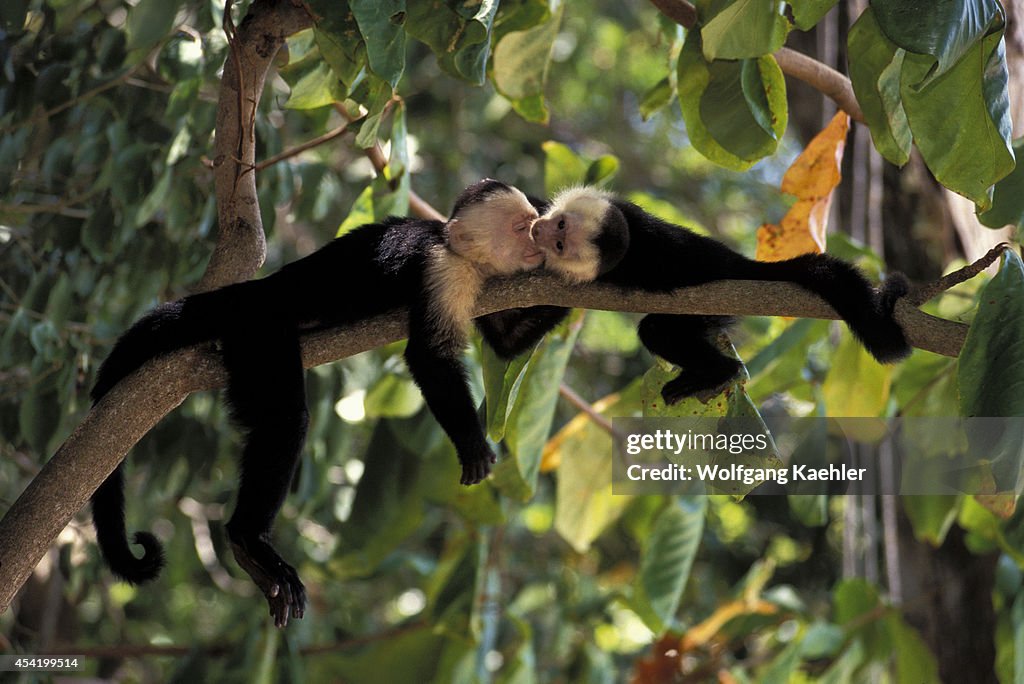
(495, 234)
(566, 233)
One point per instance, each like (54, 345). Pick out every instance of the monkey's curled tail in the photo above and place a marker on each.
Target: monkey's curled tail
(868, 313)
(166, 328)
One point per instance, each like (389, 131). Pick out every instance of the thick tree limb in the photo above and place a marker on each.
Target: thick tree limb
(139, 402)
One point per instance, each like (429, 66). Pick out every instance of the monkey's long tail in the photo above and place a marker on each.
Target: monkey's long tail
(166, 328)
(868, 313)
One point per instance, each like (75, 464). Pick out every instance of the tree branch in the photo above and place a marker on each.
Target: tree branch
(822, 78)
(141, 400)
(241, 243)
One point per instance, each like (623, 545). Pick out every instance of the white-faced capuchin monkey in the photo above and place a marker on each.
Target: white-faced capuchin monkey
(587, 234)
(433, 268)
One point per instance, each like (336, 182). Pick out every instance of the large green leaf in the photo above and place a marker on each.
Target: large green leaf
(585, 505)
(991, 371)
(735, 111)
(875, 67)
(856, 384)
(743, 28)
(457, 32)
(521, 61)
(529, 421)
(1008, 196)
(668, 557)
(337, 35)
(970, 151)
(944, 29)
(501, 387)
(380, 23)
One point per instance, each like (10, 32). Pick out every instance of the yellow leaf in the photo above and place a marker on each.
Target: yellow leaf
(812, 178)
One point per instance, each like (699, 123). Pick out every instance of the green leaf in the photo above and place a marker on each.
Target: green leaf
(856, 384)
(657, 97)
(149, 22)
(602, 170)
(563, 168)
(876, 64)
(1008, 195)
(502, 380)
(360, 214)
(931, 516)
(666, 562)
(529, 421)
(585, 505)
(380, 22)
(945, 30)
(459, 34)
(968, 152)
(743, 28)
(340, 43)
(393, 396)
(375, 95)
(725, 120)
(521, 61)
(915, 664)
(313, 85)
(807, 13)
(991, 370)
(809, 509)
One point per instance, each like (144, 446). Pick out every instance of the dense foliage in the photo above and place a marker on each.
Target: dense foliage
(107, 110)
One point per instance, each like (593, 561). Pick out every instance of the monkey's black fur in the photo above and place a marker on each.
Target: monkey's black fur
(369, 271)
(638, 250)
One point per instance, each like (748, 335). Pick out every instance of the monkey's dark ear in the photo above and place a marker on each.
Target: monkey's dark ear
(612, 240)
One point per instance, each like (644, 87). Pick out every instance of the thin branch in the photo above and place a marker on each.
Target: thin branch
(922, 294)
(822, 78)
(299, 149)
(570, 395)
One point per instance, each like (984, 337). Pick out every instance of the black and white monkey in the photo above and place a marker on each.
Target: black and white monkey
(433, 268)
(587, 234)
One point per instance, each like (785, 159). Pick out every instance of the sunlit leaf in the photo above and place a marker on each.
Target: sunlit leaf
(585, 505)
(521, 60)
(811, 178)
(876, 64)
(665, 565)
(743, 28)
(991, 371)
(968, 152)
(725, 117)
(856, 384)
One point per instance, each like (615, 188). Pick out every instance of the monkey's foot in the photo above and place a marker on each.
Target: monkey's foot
(477, 468)
(277, 580)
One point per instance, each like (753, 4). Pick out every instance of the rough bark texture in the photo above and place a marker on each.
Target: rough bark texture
(241, 244)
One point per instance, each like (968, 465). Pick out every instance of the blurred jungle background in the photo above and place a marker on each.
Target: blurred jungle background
(107, 207)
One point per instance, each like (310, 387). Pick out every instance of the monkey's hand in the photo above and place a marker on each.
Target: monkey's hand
(478, 466)
(277, 580)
